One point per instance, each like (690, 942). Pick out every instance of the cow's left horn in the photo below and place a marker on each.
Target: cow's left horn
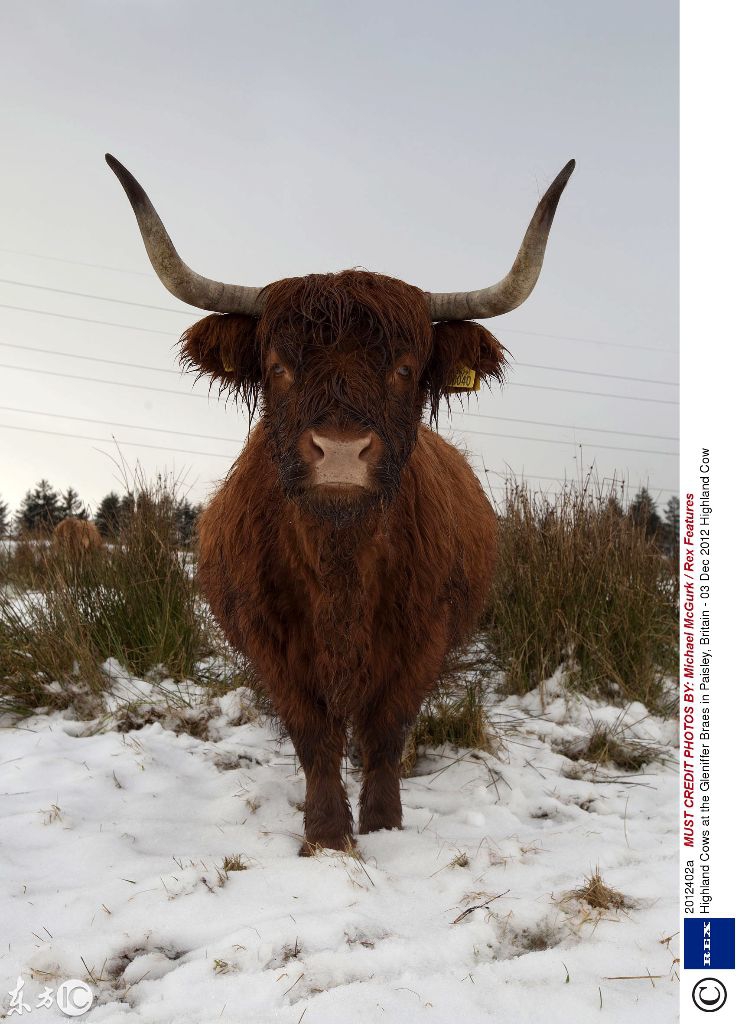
(520, 282)
(178, 278)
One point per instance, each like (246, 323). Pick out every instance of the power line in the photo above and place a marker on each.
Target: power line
(100, 380)
(74, 263)
(571, 444)
(110, 440)
(90, 359)
(505, 487)
(563, 426)
(596, 394)
(596, 373)
(110, 423)
(563, 480)
(590, 341)
(84, 319)
(99, 298)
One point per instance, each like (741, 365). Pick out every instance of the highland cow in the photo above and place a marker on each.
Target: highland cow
(350, 547)
(76, 537)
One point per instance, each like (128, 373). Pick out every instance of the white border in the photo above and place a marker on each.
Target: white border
(710, 315)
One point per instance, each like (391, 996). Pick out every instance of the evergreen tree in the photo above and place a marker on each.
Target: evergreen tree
(71, 505)
(40, 510)
(128, 509)
(643, 510)
(4, 519)
(613, 507)
(186, 517)
(108, 515)
(672, 526)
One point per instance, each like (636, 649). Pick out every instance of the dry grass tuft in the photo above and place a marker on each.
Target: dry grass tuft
(455, 717)
(538, 939)
(289, 953)
(605, 745)
(47, 659)
(53, 814)
(23, 561)
(598, 895)
(409, 755)
(171, 715)
(234, 862)
(455, 713)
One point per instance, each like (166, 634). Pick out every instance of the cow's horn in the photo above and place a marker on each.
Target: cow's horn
(520, 282)
(178, 278)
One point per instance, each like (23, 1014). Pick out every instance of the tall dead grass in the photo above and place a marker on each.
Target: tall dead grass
(135, 601)
(580, 584)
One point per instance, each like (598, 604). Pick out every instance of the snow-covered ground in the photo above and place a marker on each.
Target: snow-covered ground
(111, 854)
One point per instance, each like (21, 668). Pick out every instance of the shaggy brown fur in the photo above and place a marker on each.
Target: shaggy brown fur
(346, 603)
(76, 537)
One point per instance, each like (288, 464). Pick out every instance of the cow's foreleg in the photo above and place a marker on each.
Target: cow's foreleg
(318, 740)
(381, 738)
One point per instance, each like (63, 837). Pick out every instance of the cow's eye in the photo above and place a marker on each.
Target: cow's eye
(277, 369)
(404, 371)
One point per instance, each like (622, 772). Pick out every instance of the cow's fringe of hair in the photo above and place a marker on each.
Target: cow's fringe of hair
(332, 305)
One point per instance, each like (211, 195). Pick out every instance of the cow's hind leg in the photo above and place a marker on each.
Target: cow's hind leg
(319, 740)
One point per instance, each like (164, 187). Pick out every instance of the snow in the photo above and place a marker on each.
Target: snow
(111, 858)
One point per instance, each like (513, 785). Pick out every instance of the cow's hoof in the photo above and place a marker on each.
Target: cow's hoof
(311, 847)
(378, 824)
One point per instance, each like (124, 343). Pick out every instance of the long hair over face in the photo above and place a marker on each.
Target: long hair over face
(341, 336)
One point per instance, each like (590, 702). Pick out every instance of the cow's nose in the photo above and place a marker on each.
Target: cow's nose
(352, 448)
(341, 459)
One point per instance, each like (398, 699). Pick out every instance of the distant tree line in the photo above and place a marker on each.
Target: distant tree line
(43, 508)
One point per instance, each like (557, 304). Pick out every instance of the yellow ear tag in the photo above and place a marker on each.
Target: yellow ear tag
(464, 379)
(227, 366)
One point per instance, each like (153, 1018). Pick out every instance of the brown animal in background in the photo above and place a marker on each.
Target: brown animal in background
(350, 547)
(76, 537)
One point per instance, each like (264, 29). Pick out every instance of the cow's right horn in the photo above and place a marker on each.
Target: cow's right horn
(185, 284)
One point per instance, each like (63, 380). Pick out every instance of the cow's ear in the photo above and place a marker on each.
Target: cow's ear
(462, 355)
(224, 347)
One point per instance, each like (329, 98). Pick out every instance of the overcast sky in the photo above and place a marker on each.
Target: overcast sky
(279, 139)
